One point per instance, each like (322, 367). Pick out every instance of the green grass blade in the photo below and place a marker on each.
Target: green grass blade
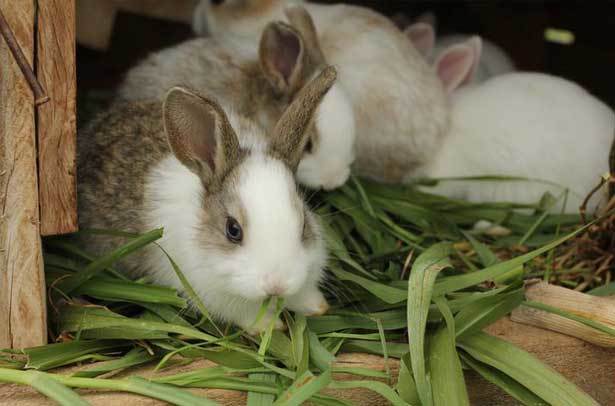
(406, 387)
(380, 388)
(505, 382)
(44, 384)
(459, 282)
(69, 284)
(386, 293)
(261, 399)
(136, 356)
(303, 388)
(479, 314)
(446, 376)
(56, 355)
(319, 355)
(524, 368)
(420, 288)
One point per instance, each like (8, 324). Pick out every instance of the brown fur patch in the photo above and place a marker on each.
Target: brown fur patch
(290, 134)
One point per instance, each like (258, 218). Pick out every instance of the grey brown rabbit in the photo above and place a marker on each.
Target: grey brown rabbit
(222, 189)
(259, 82)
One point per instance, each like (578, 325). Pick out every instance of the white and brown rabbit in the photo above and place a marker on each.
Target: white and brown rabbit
(399, 104)
(259, 83)
(222, 189)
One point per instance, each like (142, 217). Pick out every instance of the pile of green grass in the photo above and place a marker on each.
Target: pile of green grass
(409, 278)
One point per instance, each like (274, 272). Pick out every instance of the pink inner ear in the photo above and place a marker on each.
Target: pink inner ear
(455, 66)
(285, 59)
(422, 37)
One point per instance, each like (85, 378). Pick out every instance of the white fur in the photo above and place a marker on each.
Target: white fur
(329, 163)
(527, 125)
(395, 96)
(233, 284)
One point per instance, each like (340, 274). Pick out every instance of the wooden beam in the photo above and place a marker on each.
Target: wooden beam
(591, 368)
(22, 284)
(56, 119)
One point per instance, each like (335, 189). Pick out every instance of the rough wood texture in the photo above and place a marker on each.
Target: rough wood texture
(22, 294)
(590, 367)
(56, 126)
(599, 309)
(95, 18)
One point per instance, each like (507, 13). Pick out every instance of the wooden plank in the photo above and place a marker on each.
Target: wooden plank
(56, 119)
(590, 367)
(22, 284)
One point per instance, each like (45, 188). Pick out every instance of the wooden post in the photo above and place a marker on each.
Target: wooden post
(56, 119)
(22, 284)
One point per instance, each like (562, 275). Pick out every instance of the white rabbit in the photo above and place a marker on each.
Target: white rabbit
(259, 82)
(493, 61)
(223, 191)
(399, 105)
(519, 124)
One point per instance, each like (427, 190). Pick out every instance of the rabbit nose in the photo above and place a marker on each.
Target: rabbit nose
(274, 287)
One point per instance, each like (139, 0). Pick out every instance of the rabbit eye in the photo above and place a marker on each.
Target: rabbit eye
(309, 146)
(234, 232)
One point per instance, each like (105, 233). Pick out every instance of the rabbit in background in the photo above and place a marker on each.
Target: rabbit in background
(259, 82)
(398, 102)
(223, 190)
(520, 124)
(493, 61)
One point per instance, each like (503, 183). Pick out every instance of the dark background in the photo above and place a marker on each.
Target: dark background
(517, 26)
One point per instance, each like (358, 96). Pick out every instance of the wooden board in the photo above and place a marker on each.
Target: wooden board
(22, 284)
(56, 119)
(590, 367)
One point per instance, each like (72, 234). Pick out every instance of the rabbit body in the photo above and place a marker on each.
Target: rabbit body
(223, 191)
(524, 125)
(232, 69)
(399, 105)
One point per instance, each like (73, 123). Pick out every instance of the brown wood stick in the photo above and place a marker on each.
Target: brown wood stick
(39, 94)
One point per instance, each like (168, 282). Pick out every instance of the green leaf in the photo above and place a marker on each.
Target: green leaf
(386, 293)
(447, 381)
(380, 388)
(136, 356)
(56, 355)
(44, 384)
(303, 388)
(319, 355)
(420, 288)
(459, 282)
(505, 382)
(69, 284)
(406, 387)
(487, 257)
(261, 399)
(524, 368)
(479, 314)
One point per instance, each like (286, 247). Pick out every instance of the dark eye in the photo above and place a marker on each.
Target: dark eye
(234, 233)
(308, 146)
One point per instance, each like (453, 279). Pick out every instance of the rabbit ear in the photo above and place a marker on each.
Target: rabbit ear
(457, 64)
(200, 134)
(282, 54)
(290, 134)
(422, 36)
(301, 20)
(427, 18)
